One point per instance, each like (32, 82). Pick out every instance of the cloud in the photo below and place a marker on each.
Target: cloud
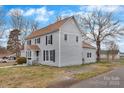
(110, 8)
(29, 12)
(67, 13)
(14, 11)
(41, 14)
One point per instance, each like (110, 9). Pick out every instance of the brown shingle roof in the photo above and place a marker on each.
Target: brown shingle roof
(50, 28)
(33, 47)
(86, 45)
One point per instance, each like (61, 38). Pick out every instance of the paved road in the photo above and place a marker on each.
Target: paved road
(112, 79)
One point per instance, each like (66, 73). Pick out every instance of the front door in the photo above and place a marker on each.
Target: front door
(37, 55)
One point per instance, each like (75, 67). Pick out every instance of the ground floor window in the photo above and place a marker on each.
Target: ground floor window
(49, 55)
(28, 54)
(89, 55)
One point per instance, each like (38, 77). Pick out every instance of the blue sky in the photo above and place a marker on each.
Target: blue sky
(47, 14)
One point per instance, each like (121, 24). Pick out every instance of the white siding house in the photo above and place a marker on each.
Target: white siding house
(59, 44)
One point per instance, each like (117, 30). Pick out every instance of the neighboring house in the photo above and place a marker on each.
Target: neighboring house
(121, 55)
(59, 44)
(12, 56)
(89, 53)
(104, 54)
(8, 55)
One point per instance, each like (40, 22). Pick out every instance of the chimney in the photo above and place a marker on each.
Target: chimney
(58, 18)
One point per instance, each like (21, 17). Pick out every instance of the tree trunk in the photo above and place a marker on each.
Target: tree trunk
(98, 51)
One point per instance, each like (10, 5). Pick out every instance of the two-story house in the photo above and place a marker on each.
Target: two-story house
(58, 44)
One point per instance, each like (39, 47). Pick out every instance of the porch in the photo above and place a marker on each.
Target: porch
(33, 54)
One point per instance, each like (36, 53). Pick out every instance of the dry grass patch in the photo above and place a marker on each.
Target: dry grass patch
(42, 76)
(7, 64)
(34, 76)
(99, 68)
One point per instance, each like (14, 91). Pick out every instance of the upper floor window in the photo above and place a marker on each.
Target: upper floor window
(49, 39)
(65, 37)
(76, 38)
(29, 42)
(37, 41)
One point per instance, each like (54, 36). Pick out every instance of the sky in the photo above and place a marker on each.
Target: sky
(47, 14)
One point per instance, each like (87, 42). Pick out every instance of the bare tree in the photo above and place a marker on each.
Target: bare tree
(34, 25)
(112, 50)
(17, 19)
(23, 24)
(101, 26)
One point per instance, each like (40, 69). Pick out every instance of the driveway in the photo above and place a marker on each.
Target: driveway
(112, 79)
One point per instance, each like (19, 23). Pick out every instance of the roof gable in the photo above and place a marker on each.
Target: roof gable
(86, 45)
(48, 29)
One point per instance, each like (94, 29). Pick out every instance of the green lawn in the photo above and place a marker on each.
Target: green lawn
(42, 76)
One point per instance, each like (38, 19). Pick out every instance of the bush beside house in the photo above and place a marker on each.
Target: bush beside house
(21, 60)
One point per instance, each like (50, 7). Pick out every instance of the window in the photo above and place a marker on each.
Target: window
(29, 42)
(87, 55)
(28, 53)
(65, 37)
(76, 38)
(35, 41)
(38, 40)
(49, 39)
(47, 55)
(52, 55)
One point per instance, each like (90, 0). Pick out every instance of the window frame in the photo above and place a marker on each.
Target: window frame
(77, 39)
(29, 42)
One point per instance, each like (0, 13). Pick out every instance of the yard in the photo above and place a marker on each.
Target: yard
(46, 76)
(7, 64)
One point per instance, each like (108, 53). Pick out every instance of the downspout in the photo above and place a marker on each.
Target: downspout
(59, 47)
